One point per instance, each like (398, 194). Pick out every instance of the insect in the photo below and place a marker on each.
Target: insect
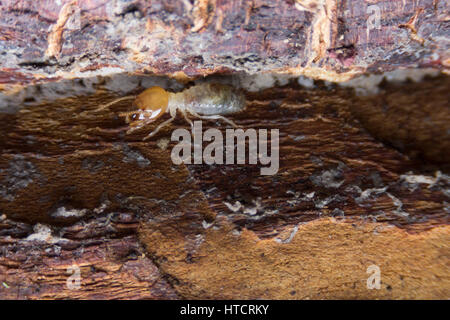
(203, 101)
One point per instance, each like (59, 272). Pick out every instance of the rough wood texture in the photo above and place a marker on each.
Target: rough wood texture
(141, 227)
(325, 39)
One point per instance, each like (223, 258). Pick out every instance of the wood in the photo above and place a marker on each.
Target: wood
(363, 181)
(141, 227)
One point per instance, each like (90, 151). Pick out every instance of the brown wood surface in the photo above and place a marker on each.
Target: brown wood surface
(146, 228)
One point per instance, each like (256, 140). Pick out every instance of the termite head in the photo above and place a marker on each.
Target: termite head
(150, 105)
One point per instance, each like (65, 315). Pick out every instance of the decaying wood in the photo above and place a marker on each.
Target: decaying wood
(325, 39)
(76, 190)
(362, 181)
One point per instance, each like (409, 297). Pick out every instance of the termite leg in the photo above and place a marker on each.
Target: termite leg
(187, 118)
(214, 117)
(162, 125)
(136, 127)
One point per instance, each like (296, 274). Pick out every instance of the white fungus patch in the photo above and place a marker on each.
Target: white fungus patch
(254, 211)
(67, 213)
(63, 212)
(249, 210)
(415, 178)
(43, 233)
(366, 194)
(233, 207)
(206, 224)
(412, 181)
(236, 232)
(258, 82)
(299, 197)
(399, 206)
(322, 203)
(306, 82)
(328, 178)
(105, 204)
(369, 84)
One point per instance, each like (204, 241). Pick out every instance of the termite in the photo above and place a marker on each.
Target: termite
(203, 101)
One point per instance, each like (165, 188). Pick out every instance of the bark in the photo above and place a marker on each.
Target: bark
(325, 39)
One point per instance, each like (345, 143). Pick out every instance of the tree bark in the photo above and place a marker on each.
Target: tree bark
(324, 39)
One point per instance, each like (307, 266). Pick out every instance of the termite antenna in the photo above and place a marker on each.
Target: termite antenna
(105, 106)
(162, 125)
